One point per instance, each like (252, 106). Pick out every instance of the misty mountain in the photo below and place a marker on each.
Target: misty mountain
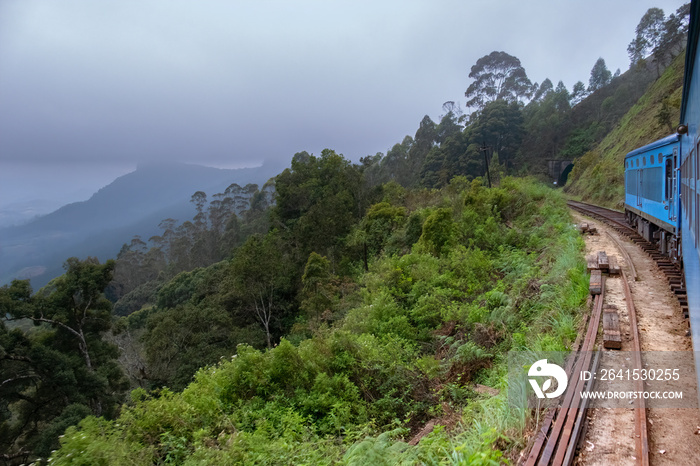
(133, 204)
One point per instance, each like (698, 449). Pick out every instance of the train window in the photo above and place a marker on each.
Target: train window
(631, 181)
(660, 158)
(653, 184)
(644, 161)
(637, 162)
(669, 178)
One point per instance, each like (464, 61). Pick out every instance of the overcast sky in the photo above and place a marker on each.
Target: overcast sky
(88, 89)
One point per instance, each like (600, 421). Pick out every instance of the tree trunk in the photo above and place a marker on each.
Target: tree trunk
(365, 256)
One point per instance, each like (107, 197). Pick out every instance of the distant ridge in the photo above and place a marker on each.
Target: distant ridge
(132, 204)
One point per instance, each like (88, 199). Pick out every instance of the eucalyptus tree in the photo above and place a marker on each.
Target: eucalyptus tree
(649, 33)
(600, 76)
(543, 89)
(497, 76)
(578, 93)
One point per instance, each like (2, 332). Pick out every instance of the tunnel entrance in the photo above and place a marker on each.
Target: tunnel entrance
(565, 174)
(559, 170)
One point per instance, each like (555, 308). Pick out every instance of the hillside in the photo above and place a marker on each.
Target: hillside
(598, 176)
(133, 204)
(455, 279)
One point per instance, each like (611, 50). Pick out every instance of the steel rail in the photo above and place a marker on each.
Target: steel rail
(640, 414)
(578, 427)
(628, 259)
(615, 219)
(541, 436)
(572, 401)
(558, 437)
(612, 218)
(558, 431)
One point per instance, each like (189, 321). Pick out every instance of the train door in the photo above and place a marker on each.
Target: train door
(672, 185)
(668, 178)
(640, 186)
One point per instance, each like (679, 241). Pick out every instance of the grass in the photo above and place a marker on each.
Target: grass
(598, 176)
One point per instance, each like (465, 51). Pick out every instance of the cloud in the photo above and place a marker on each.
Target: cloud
(229, 83)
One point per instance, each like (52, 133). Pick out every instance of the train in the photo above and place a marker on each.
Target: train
(662, 192)
(651, 193)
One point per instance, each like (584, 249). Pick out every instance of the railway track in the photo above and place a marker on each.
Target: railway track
(557, 440)
(617, 221)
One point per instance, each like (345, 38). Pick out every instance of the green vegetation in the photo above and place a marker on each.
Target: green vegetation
(61, 371)
(598, 175)
(492, 270)
(332, 314)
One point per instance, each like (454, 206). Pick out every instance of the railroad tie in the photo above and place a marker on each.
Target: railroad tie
(603, 263)
(596, 284)
(614, 268)
(611, 327)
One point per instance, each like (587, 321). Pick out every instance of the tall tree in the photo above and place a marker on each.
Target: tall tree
(318, 201)
(497, 76)
(600, 76)
(426, 137)
(394, 166)
(649, 32)
(499, 128)
(73, 302)
(64, 370)
(262, 279)
(317, 289)
(452, 157)
(578, 92)
(543, 89)
(675, 31)
(448, 127)
(545, 123)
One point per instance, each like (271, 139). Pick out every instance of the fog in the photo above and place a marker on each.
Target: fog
(90, 89)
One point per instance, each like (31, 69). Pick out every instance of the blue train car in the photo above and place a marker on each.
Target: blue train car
(651, 187)
(689, 216)
(662, 192)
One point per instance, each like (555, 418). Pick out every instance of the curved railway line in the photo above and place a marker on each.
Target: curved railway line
(617, 221)
(560, 434)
